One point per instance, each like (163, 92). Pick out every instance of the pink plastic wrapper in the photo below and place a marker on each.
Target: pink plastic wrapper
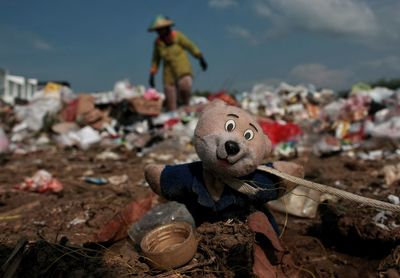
(151, 94)
(42, 181)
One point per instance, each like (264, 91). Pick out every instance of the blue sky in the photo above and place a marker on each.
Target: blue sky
(93, 44)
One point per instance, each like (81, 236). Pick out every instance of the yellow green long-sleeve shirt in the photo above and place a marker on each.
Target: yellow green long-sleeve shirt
(175, 59)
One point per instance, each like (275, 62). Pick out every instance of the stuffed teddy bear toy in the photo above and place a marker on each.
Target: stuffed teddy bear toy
(225, 183)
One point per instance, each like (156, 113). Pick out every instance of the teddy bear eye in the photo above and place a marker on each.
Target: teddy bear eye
(248, 134)
(230, 125)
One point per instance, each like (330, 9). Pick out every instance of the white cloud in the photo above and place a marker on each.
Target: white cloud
(15, 39)
(242, 33)
(389, 62)
(339, 17)
(222, 4)
(41, 44)
(320, 75)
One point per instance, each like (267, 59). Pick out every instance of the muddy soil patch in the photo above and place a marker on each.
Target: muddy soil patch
(354, 233)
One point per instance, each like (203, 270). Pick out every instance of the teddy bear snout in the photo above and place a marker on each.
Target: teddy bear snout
(232, 147)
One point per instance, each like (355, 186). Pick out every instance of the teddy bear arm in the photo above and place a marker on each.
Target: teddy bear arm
(292, 169)
(152, 174)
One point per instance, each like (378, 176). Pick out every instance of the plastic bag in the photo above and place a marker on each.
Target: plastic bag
(388, 129)
(278, 132)
(124, 90)
(392, 173)
(42, 181)
(159, 215)
(33, 114)
(301, 201)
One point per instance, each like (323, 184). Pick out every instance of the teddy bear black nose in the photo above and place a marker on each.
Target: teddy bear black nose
(232, 147)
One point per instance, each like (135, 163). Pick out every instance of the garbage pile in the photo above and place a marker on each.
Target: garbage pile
(299, 116)
(56, 114)
(294, 117)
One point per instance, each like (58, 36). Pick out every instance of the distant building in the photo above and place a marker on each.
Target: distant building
(14, 87)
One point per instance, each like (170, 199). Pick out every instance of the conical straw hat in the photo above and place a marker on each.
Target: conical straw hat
(160, 21)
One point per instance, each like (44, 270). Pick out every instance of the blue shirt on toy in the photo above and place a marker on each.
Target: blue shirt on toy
(184, 183)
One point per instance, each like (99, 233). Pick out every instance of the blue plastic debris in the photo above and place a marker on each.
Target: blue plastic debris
(95, 180)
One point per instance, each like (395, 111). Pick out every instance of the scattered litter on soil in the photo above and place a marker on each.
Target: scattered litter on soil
(341, 240)
(96, 147)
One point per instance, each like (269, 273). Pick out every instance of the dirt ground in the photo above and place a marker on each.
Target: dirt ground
(55, 231)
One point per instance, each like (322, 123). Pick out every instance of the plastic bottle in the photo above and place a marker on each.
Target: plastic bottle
(159, 215)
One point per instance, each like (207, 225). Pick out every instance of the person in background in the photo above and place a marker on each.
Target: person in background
(170, 47)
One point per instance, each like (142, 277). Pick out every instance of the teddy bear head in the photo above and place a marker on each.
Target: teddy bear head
(229, 141)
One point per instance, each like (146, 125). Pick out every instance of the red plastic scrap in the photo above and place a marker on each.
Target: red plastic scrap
(223, 95)
(171, 122)
(278, 133)
(262, 266)
(68, 114)
(356, 135)
(259, 223)
(117, 227)
(42, 181)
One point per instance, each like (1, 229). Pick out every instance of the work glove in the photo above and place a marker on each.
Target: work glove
(151, 81)
(203, 63)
